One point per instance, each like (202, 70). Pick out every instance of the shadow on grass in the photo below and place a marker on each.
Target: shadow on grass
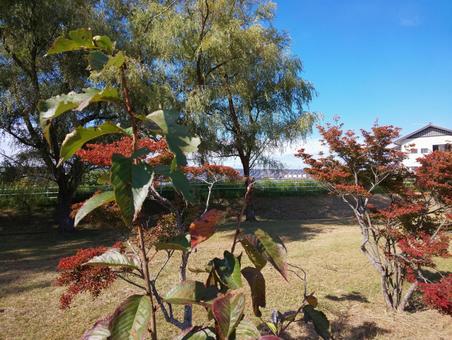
(353, 296)
(287, 230)
(28, 254)
(340, 329)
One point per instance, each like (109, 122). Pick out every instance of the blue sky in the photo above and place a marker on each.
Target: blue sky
(385, 60)
(389, 60)
(375, 59)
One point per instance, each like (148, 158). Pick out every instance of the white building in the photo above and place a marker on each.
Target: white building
(423, 141)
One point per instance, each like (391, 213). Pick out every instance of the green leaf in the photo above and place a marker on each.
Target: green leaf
(178, 179)
(272, 327)
(228, 311)
(177, 136)
(114, 258)
(227, 271)
(181, 184)
(116, 61)
(97, 60)
(131, 319)
(319, 319)
(254, 250)
(180, 242)
(198, 333)
(190, 292)
(77, 138)
(246, 330)
(56, 106)
(256, 282)
(104, 42)
(131, 185)
(92, 203)
(77, 40)
(275, 251)
(100, 331)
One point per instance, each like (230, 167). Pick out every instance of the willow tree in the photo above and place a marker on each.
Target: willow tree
(27, 77)
(233, 73)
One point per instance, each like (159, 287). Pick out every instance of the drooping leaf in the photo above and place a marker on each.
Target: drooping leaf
(114, 258)
(77, 40)
(177, 136)
(227, 311)
(92, 203)
(254, 250)
(197, 333)
(275, 251)
(178, 179)
(181, 183)
(190, 292)
(100, 331)
(77, 138)
(97, 60)
(56, 106)
(227, 271)
(180, 242)
(132, 317)
(257, 284)
(131, 185)
(246, 330)
(204, 227)
(319, 319)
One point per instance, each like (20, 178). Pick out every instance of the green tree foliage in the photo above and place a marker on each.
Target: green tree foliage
(27, 77)
(233, 72)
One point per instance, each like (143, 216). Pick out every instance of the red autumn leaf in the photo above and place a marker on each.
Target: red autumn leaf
(204, 227)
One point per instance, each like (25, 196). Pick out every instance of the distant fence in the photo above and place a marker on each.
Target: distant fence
(220, 190)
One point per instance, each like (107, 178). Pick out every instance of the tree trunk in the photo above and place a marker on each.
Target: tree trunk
(188, 310)
(63, 208)
(250, 211)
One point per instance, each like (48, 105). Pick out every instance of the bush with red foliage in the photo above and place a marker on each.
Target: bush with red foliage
(435, 175)
(220, 172)
(405, 236)
(101, 153)
(438, 294)
(84, 278)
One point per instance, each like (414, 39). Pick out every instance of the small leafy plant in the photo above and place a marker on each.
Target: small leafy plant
(153, 149)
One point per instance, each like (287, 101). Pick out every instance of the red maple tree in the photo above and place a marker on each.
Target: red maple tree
(403, 237)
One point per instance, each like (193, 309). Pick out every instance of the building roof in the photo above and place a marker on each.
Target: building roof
(426, 131)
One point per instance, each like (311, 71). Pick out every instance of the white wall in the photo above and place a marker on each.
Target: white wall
(421, 143)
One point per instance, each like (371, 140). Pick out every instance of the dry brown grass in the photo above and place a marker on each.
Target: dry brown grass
(347, 287)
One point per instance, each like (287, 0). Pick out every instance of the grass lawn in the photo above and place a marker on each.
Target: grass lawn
(346, 285)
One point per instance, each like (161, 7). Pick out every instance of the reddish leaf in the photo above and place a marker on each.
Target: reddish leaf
(257, 284)
(204, 227)
(228, 311)
(275, 251)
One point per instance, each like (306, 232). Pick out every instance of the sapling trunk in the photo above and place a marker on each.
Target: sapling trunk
(143, 252)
